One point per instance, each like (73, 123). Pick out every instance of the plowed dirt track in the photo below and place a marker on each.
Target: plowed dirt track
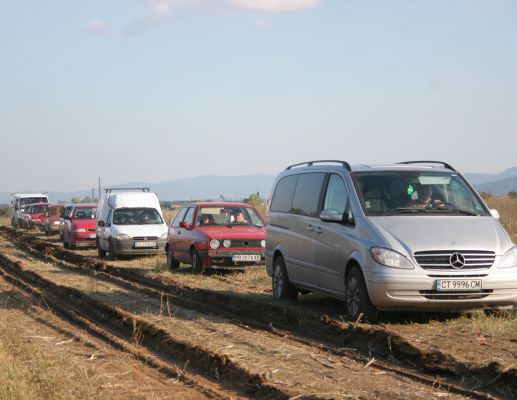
(220, 335)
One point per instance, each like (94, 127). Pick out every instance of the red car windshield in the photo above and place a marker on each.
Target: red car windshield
(38, 209)
(84, 213)
(228, 215)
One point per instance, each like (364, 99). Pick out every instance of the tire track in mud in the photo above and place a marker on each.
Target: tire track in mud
(118, 328)
(324, 332)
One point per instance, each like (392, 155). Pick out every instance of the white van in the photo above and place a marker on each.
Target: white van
(130, 221)
(20, 200)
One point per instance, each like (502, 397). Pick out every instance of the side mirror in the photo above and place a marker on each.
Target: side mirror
(331, 216)
(495, 213)
(101, 223)
(184, 224)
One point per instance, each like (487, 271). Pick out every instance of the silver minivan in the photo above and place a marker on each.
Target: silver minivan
(412, 235)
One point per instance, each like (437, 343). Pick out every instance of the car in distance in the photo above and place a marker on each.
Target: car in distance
(216, 234)
(79, 226)
(35, 217)
(412, 235)
(130, 222)
(20, 200)
(51, 224)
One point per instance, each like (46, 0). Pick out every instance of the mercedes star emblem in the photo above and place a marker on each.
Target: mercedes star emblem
(457, 260)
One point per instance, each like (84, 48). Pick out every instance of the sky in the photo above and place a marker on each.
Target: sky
(157, 90)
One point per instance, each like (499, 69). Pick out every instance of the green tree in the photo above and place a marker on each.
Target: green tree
(87, 199)
(255, 200)
(512, 194)
(76, 200)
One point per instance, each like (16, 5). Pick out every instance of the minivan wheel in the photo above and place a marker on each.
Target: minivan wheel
(101, 253)
(197, 264)
(282, 286)
(112, 252)
(171, 262)
(357, 299)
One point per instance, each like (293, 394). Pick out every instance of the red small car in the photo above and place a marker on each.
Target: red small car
(36, 215)
(216, 234)
(79, 228)
(52, 216)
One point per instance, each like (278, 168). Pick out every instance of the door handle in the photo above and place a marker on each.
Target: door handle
(318, 229)
(310, 228)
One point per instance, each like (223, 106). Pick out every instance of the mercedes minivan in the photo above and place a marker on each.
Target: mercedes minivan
(412, 235)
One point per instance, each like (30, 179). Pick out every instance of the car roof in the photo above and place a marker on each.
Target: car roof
(220, 204)
(84, 205)
(336, 165)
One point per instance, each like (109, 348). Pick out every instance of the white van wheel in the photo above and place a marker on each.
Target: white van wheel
(282, 286)
(357, 299)
(101, 253)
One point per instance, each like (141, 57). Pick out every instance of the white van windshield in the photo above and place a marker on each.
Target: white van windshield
(137, 216)
(414, 193)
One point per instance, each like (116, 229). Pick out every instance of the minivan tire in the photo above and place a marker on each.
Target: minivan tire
(112, 252)
(357, 299)
(100, 252)
(197, 264)
(171, 262)
(282, 286)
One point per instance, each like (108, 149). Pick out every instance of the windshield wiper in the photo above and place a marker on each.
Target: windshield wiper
(457, 210)
(407, 210)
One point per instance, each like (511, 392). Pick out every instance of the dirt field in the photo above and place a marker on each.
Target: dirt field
(221, 335)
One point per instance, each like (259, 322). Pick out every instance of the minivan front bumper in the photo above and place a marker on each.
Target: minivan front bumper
(415, 289)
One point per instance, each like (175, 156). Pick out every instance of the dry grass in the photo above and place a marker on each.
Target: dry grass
(5, 221)
(499, 323)
(507, 208)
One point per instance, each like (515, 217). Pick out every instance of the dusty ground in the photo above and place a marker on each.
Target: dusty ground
(43, 357)
(290, 368)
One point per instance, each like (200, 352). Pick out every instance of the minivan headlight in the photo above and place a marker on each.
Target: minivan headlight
(509, 258)
(214, 244)
(390, 258)
(163, 235)
(121, 236)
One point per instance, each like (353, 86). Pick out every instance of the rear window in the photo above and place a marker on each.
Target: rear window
(283, 197)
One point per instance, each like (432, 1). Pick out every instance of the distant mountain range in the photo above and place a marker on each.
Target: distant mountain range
(208, 187)
(211, 187)
(496, 184)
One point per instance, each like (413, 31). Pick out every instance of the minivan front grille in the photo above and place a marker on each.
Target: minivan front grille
(455, 260)
(145, 237)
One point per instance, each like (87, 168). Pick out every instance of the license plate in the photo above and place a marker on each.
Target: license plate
(145, 244)
(93, 236)
(246, 257)
(458, 284)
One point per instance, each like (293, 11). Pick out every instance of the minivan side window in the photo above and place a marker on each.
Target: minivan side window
(179, 216)
(336, 197)
(306, 199)
(283, 196)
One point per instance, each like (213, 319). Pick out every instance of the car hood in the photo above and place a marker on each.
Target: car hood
(408, 234)
(140, 230)
(233, 231)
(85, 223)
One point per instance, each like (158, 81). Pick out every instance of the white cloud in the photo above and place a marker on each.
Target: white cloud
(274, 5)
(96, 27)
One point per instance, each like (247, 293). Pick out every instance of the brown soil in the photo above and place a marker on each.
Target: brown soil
(424, 342)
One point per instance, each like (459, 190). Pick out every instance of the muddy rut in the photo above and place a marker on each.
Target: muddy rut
(238, 348)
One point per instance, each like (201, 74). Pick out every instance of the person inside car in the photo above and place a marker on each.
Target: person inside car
(239, 217)
(206, 219)
(425, 199)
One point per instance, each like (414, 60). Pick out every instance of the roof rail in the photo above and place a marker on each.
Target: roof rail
(310, 163)
(448, 166)
(143, 189)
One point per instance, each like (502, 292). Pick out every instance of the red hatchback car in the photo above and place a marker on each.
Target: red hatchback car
(36, 215)
(79, 228)
(216, 234)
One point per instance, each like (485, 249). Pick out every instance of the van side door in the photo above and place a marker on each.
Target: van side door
(303, 220)
(334, 240)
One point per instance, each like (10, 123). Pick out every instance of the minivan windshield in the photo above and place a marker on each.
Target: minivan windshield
(416, 193)
(137, 216)
(84, 212)
(228, 215)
